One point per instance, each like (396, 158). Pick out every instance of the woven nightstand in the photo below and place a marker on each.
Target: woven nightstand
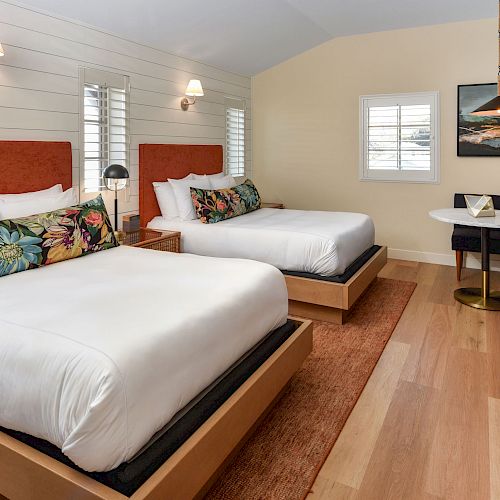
(272, 205)
(165, 241)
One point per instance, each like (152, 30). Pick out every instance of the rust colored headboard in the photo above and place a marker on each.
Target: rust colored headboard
(158, 162)
(34, 165)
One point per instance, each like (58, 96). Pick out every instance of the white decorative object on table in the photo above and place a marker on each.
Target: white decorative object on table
(480, 206)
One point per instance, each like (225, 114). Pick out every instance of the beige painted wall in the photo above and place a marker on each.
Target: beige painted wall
(306, 127)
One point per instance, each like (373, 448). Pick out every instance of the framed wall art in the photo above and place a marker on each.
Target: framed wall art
(477, 135)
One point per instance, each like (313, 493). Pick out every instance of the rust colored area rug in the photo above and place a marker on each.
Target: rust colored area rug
(284, 455)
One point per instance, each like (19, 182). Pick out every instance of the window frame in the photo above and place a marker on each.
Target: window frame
(232, 103)
(112, 82)
(431, 176)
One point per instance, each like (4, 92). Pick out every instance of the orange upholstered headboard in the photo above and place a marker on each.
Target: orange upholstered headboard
(158, 162)
(34, 165)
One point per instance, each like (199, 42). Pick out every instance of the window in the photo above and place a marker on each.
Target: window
(235, 137)
(400, 137)
(105, 124)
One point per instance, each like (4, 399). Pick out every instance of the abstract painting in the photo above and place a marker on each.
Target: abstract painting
(477, 135)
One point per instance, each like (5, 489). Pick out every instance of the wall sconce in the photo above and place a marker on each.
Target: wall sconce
(2, 53)
(194, 90)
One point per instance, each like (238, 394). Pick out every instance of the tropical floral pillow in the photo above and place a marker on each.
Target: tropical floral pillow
(214, 205)
(43, 239)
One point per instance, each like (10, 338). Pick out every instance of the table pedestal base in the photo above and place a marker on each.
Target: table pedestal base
(481, 298)
(473, 297)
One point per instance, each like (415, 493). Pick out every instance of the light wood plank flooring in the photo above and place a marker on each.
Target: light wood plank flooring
(427, 425)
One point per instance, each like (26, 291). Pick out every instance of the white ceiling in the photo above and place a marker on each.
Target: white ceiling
(249, 36)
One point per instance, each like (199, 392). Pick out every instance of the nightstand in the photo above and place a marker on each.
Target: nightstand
(272, 205)
(165, 241)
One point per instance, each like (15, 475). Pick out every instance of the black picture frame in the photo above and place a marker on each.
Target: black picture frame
(470, 97)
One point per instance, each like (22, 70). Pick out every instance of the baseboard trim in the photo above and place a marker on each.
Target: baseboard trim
(472, 260)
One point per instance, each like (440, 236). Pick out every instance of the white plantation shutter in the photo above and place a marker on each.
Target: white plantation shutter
(105, 125)
(400, 137)
(235, 137)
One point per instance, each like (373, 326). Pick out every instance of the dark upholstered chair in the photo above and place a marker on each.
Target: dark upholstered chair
(468, 239)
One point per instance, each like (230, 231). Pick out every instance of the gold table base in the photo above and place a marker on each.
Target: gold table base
(473, 297)
(481, 298)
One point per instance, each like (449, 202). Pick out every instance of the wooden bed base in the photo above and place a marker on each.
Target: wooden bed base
(26, 473)
(328, 301)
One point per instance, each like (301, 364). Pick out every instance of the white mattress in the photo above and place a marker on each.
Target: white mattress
(98, 353)
(324, 243)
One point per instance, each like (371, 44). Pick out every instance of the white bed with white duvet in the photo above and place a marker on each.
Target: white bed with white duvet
(99, 353)
(323, 243)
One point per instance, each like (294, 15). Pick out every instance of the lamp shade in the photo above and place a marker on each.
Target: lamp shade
(194, 88)
(491, 108)
(2, 53)
(116, 177)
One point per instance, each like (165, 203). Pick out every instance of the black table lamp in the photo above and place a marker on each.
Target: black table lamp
(115, 177)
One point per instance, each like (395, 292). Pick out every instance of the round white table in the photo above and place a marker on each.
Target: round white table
(480, 298)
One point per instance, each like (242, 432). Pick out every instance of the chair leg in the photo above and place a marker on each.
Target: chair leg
(459, 255)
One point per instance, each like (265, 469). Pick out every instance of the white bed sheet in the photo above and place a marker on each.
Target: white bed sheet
(324, 243)
(99, 353)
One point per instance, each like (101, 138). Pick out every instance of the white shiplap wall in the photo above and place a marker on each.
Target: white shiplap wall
(39, 88)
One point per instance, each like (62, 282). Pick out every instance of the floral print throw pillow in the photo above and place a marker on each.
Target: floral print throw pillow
(43, 239)
(215, 205)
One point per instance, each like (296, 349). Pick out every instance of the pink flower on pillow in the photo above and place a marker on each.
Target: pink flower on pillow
(94, 219)
(220, 205)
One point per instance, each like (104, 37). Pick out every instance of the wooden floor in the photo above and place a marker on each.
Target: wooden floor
(427, 425)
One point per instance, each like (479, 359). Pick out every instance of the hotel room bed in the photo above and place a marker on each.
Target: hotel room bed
(148, 368)
(100, 352)
(307, 246)
(322, 243)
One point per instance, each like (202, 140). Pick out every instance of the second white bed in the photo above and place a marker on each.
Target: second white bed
(323, 243)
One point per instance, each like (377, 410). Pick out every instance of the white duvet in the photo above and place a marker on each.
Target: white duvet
(98, 353)
(324, 243)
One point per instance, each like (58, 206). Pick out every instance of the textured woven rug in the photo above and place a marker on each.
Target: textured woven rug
(284, 455)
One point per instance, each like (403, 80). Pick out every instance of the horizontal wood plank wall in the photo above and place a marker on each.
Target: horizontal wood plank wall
(39, 89)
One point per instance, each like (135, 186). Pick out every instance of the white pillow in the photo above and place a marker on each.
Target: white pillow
(35, 194)
(183, 195)
(211, 176)
(225, 182)
(23, 208)
(166, 198)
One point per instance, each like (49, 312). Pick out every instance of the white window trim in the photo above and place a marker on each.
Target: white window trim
(428, 177)
(236, 104)
(108, 79)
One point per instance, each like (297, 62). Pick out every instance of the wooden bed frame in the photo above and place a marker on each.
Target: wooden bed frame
(328, 301)
(311, 298)
(28, 474)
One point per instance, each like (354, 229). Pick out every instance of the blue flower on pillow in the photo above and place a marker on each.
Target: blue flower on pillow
(16, 252)
(249, 194)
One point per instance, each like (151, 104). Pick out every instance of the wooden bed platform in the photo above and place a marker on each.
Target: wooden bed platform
(28, 474)
(328, 301)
